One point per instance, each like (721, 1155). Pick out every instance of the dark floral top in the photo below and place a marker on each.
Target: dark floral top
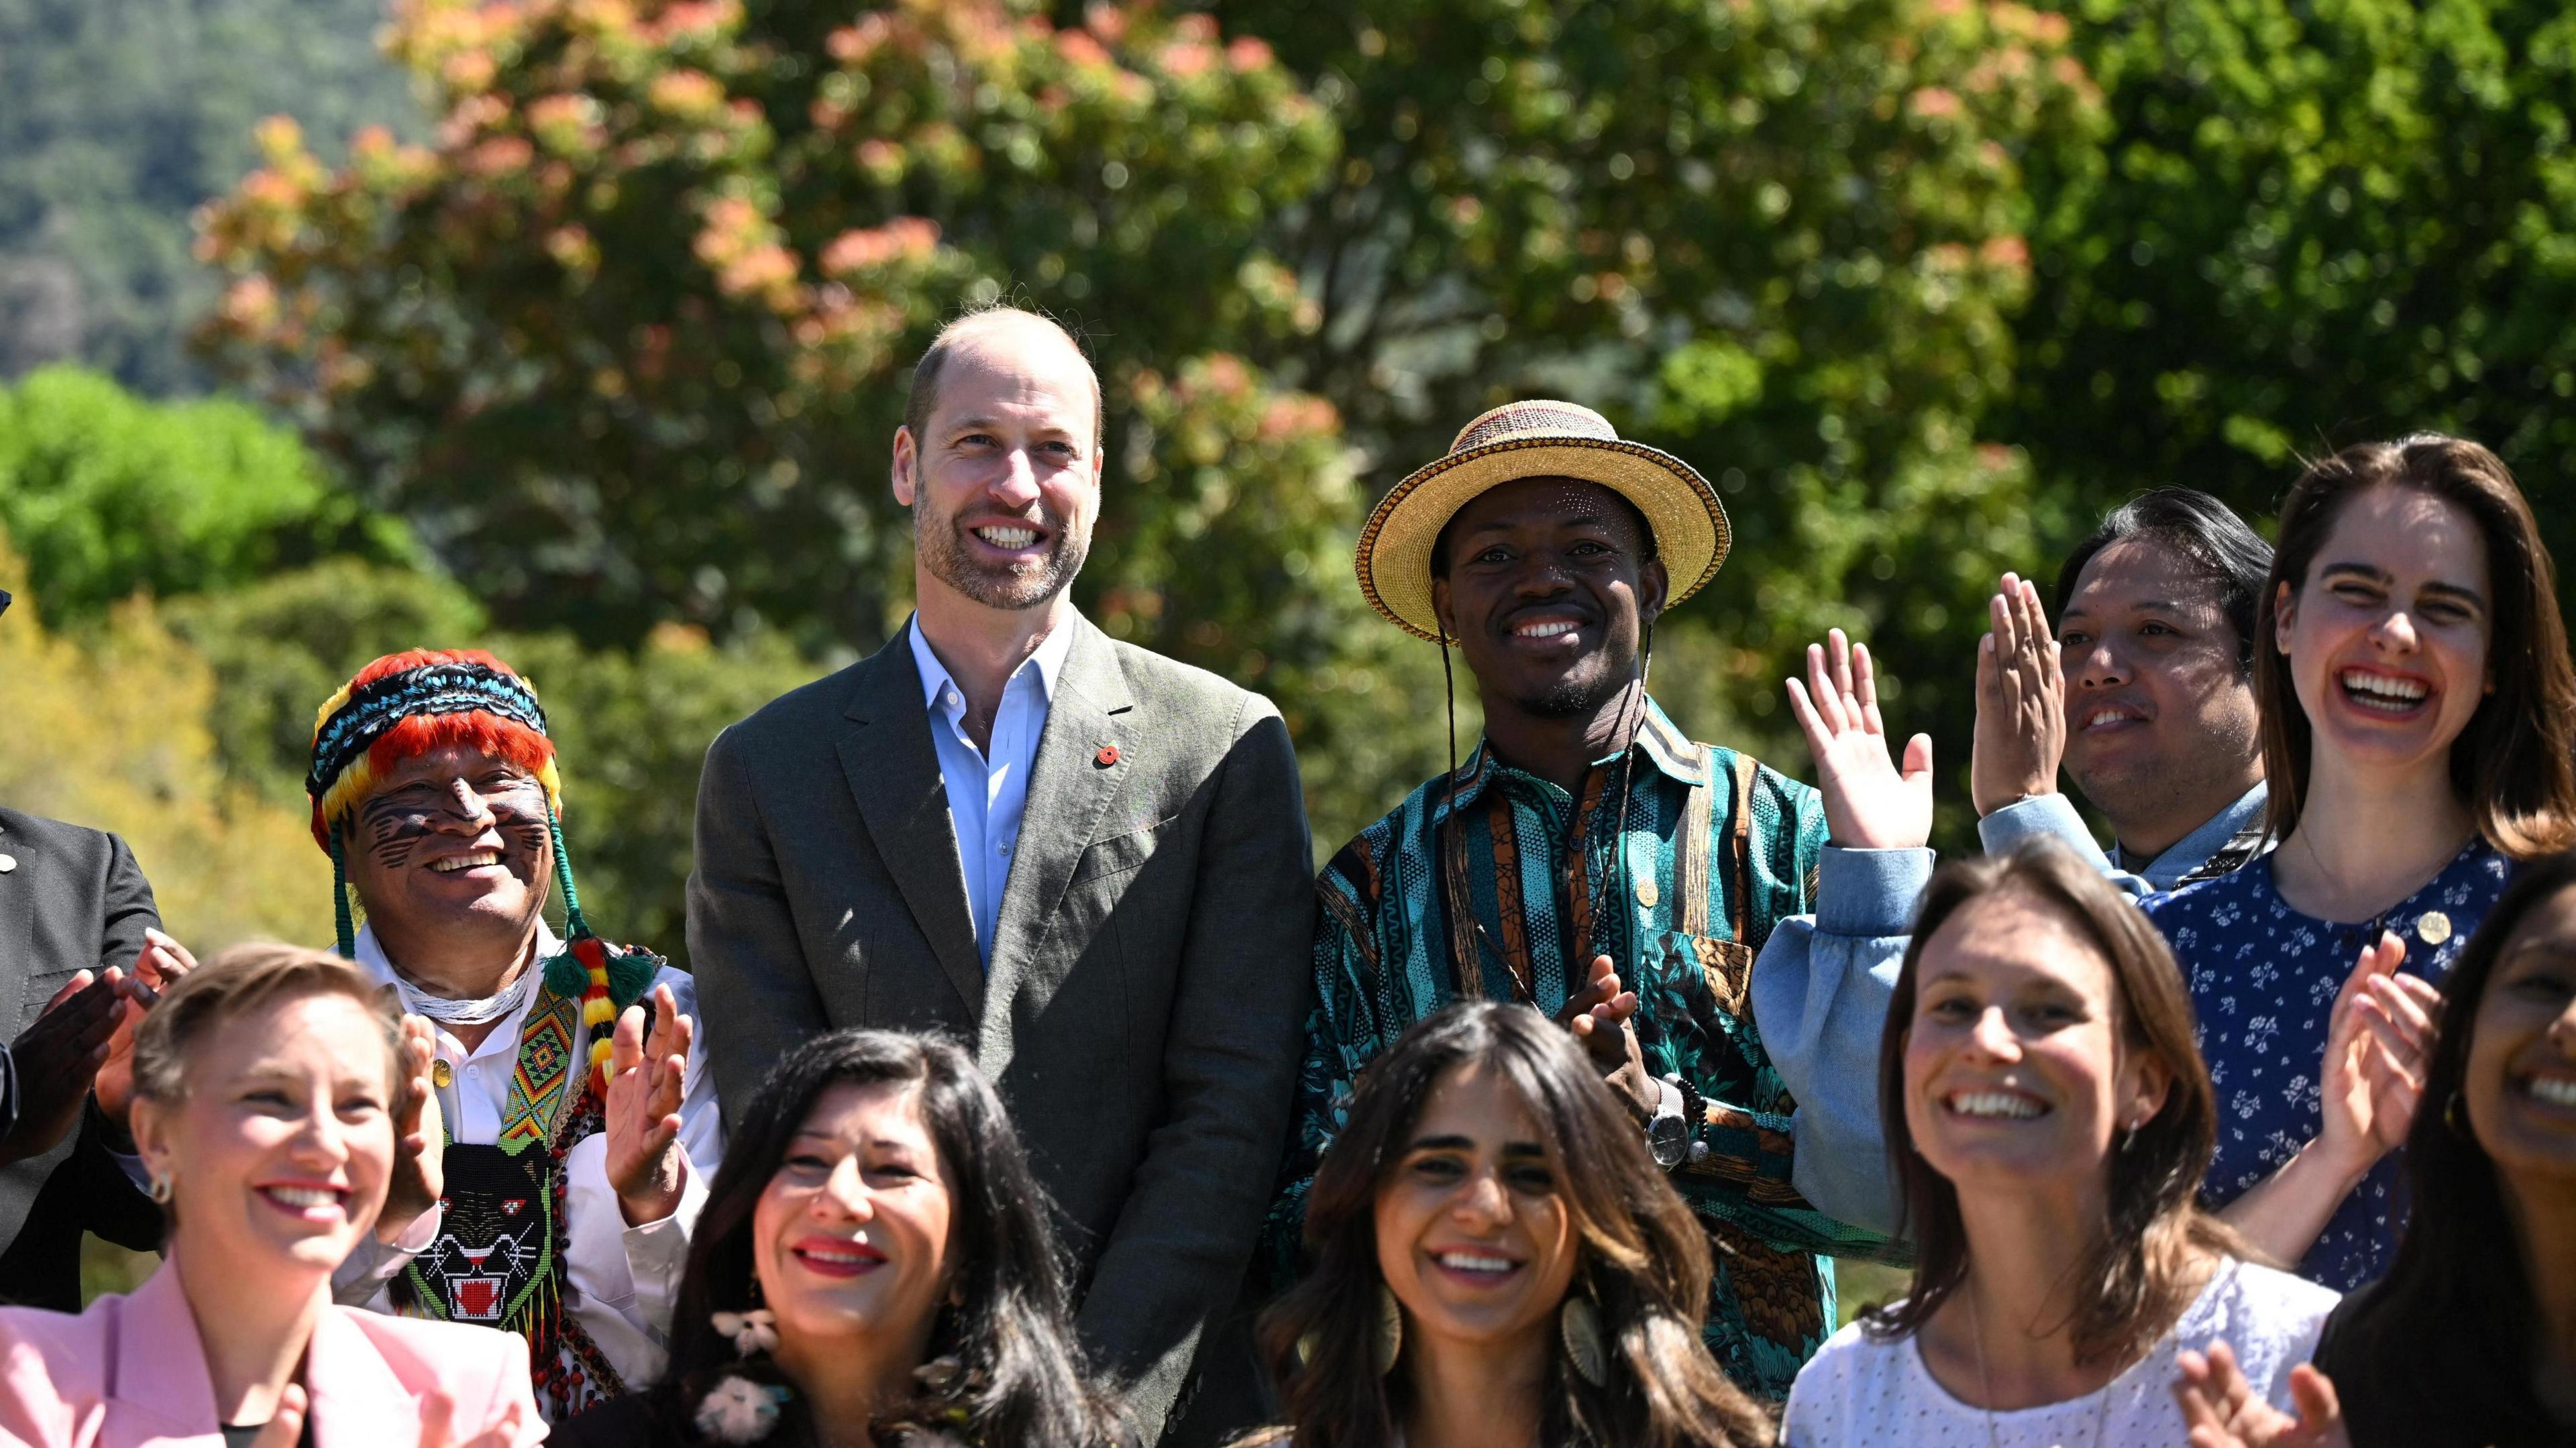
(2263, 978)
(1548, 879)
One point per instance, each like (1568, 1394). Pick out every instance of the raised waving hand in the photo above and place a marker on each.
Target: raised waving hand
(1871, 801)
(2021, 701)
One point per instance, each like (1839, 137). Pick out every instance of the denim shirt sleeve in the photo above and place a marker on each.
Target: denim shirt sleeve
(2054, 814)
(1820, 994)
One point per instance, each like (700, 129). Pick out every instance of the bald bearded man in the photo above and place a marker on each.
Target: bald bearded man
(1086, 861)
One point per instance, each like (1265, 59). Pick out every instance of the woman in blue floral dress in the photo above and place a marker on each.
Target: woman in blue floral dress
(2419, 719)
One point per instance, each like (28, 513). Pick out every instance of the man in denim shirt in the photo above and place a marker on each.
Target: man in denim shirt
(2145, 694)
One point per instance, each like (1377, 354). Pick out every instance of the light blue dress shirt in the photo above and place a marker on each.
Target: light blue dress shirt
(988, 789)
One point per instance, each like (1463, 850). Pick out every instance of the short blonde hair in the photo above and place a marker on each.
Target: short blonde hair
(234, 983)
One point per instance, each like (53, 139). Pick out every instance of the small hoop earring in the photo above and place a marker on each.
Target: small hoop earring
(161, 1189)
(1390, 1330)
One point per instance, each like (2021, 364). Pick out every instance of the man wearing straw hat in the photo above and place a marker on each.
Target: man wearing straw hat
(1587, 859)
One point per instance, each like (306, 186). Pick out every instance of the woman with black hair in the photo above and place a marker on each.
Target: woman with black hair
(1498, 1262)
(2470, 1340)
(874, 1268)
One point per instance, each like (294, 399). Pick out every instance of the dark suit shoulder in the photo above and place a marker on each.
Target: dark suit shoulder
(57, 838)
(1186, 689)
(805, 709)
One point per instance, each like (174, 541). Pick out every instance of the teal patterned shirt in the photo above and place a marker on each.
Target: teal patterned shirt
(1716, 849)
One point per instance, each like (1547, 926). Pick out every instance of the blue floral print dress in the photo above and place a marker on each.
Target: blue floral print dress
(2263, 977)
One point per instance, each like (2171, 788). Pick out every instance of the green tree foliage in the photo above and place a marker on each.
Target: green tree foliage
(182, 716)
(626, 338)
(106, 493)
(117, 118)
(1783, 238)
(2308, 225)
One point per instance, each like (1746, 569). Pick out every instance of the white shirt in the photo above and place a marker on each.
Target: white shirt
(988, 789)
(619, 1281)
(1858, 1393)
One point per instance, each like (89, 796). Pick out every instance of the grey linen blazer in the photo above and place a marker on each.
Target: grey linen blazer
(1150, 968)
(72, 900)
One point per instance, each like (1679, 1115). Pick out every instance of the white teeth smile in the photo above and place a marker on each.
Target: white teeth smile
(1546, 630)
(1008, 537)
(454, 863)
(2378, 691)
(839, 1258)
(1994, 1103)
(1469, 1262)
(302, 1197)
(2101, 717)
(2555, 1090)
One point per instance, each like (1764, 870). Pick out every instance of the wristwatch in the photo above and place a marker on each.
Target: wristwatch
(1668, 1133)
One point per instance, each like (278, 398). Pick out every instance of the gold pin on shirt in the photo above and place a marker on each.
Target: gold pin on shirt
(2432, 927)
(440, 1073)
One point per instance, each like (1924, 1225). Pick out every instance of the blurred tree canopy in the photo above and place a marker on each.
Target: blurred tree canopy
(2308, 225)
(117, 118)
(626, 339)
(106, 493)
(182, 716)
(1922, 285)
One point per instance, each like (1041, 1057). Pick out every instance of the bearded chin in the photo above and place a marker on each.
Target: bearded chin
(1576, 697)
(945, 552)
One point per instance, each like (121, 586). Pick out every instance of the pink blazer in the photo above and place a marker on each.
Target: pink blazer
(130, 1371)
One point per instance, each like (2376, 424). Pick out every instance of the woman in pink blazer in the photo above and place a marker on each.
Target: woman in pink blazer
(270, 1088)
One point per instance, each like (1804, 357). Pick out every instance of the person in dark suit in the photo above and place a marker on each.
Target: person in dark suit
(1084, 861)
(76, 918)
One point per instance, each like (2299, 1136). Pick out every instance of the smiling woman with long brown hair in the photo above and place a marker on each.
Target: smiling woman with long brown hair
(2419, 734)
(1498, 1262)
(2049, 1121)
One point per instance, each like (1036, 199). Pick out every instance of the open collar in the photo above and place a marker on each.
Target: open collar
(1048, 660)
(1660, 742)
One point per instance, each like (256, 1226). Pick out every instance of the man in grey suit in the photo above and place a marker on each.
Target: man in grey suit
(1086, 861)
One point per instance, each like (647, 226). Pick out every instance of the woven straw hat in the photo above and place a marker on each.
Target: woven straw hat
(1535, 439)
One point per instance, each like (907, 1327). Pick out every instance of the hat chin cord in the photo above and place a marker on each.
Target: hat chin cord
(1632, 720)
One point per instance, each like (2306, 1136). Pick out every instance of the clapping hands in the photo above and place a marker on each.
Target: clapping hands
(160, 964)
(1602, 1016)
(2220, 1408)
(420, 1135)
(645, 1088)
(58, 1057)
(2378, 1040)
(1870, 802)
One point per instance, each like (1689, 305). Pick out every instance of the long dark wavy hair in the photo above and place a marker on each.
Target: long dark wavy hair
(1021, 1378)
(2440, 1351)
(2514, 764)
(1645, 1260)
(2130, 1289)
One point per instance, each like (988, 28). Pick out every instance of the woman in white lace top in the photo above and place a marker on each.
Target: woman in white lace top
(2051, 1120)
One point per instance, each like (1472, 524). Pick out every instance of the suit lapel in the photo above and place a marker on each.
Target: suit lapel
(357, 1400)
(1086, 749)
(894, 775)
(158, 1366)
